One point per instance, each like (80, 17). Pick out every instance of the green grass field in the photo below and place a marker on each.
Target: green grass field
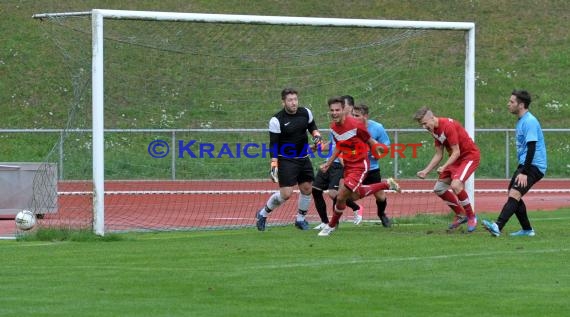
(413, 269)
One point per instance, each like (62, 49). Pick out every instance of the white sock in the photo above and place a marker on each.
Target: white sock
(263, 212)
(274, 201)
(304, 203)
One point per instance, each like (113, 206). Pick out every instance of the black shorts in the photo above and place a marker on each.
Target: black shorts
(329, 179)
(533, 176)
(372, 177)
(294, 171)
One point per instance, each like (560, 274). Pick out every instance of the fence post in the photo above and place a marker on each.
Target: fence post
(507, 154)
(173, 156)
(61, 154)
(396, 156)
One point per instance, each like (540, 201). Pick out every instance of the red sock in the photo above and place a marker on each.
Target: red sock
(464, 201)
(452, 201)
(367, 190)
(335, 217)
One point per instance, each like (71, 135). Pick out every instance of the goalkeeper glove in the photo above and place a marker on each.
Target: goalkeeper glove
(273, 172)
(317, 141)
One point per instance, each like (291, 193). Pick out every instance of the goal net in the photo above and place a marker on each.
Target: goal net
(168, 112)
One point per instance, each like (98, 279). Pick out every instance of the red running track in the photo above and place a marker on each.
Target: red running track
(162, 205)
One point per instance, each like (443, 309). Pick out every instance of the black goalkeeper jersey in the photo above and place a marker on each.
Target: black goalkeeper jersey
(288, 133)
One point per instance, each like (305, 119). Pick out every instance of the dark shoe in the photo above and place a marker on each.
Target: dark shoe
(386, 221)
(458, 220)
(260, 221)
(303, 224)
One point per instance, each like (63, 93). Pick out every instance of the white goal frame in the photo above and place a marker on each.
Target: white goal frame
(98, 16)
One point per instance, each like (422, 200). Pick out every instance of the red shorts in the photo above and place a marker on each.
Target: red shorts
(461, 169)
(355, 173)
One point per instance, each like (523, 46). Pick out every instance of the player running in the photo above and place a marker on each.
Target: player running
(463, 160)
(352, 144)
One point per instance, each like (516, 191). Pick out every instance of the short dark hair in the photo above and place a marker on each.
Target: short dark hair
(348, 100)
(362, 108)
(523, 97)
(336, 100)
(421, 113)
(288, 91)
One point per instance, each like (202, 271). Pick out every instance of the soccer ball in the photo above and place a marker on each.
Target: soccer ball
(25, 220)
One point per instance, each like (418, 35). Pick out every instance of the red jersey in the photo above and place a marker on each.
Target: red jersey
(351, 137)
(450, 132)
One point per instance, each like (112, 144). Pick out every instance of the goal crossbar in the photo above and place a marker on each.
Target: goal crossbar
(260, 19)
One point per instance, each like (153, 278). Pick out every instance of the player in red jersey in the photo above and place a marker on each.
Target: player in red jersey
(352, 145)
(464, 157)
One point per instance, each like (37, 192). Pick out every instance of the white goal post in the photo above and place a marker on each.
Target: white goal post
(98, 17)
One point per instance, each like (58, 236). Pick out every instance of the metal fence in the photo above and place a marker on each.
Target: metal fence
(395, 134)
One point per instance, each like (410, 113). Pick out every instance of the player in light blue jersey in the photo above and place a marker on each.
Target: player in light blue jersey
(378, 133)
(531, 153)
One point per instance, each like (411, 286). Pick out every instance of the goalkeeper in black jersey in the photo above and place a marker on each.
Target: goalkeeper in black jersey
(290, 162)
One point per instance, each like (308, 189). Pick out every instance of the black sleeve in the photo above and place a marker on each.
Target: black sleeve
(273, 144)
(531, 148)
(312, 126)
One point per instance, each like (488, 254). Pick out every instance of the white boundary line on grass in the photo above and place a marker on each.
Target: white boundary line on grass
(317, 263)
(405, 259)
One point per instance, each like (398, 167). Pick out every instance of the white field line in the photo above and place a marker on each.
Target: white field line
(265, 191)
(336, 262)
(318, 262)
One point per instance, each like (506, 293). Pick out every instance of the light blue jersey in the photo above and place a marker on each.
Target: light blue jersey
(527, 130)
(378, 133)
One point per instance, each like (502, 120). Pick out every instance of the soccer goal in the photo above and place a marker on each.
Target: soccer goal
(168, 112)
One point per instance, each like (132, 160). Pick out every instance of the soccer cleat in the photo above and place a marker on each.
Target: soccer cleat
(386, 221)
(320, 226)
(471, 224)
(327, 230)
(357, 218)
(524, 233)
(358, 215)
(492, 228)
(260, 221)
(394, 185)
(458, 220)
(302, 225)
